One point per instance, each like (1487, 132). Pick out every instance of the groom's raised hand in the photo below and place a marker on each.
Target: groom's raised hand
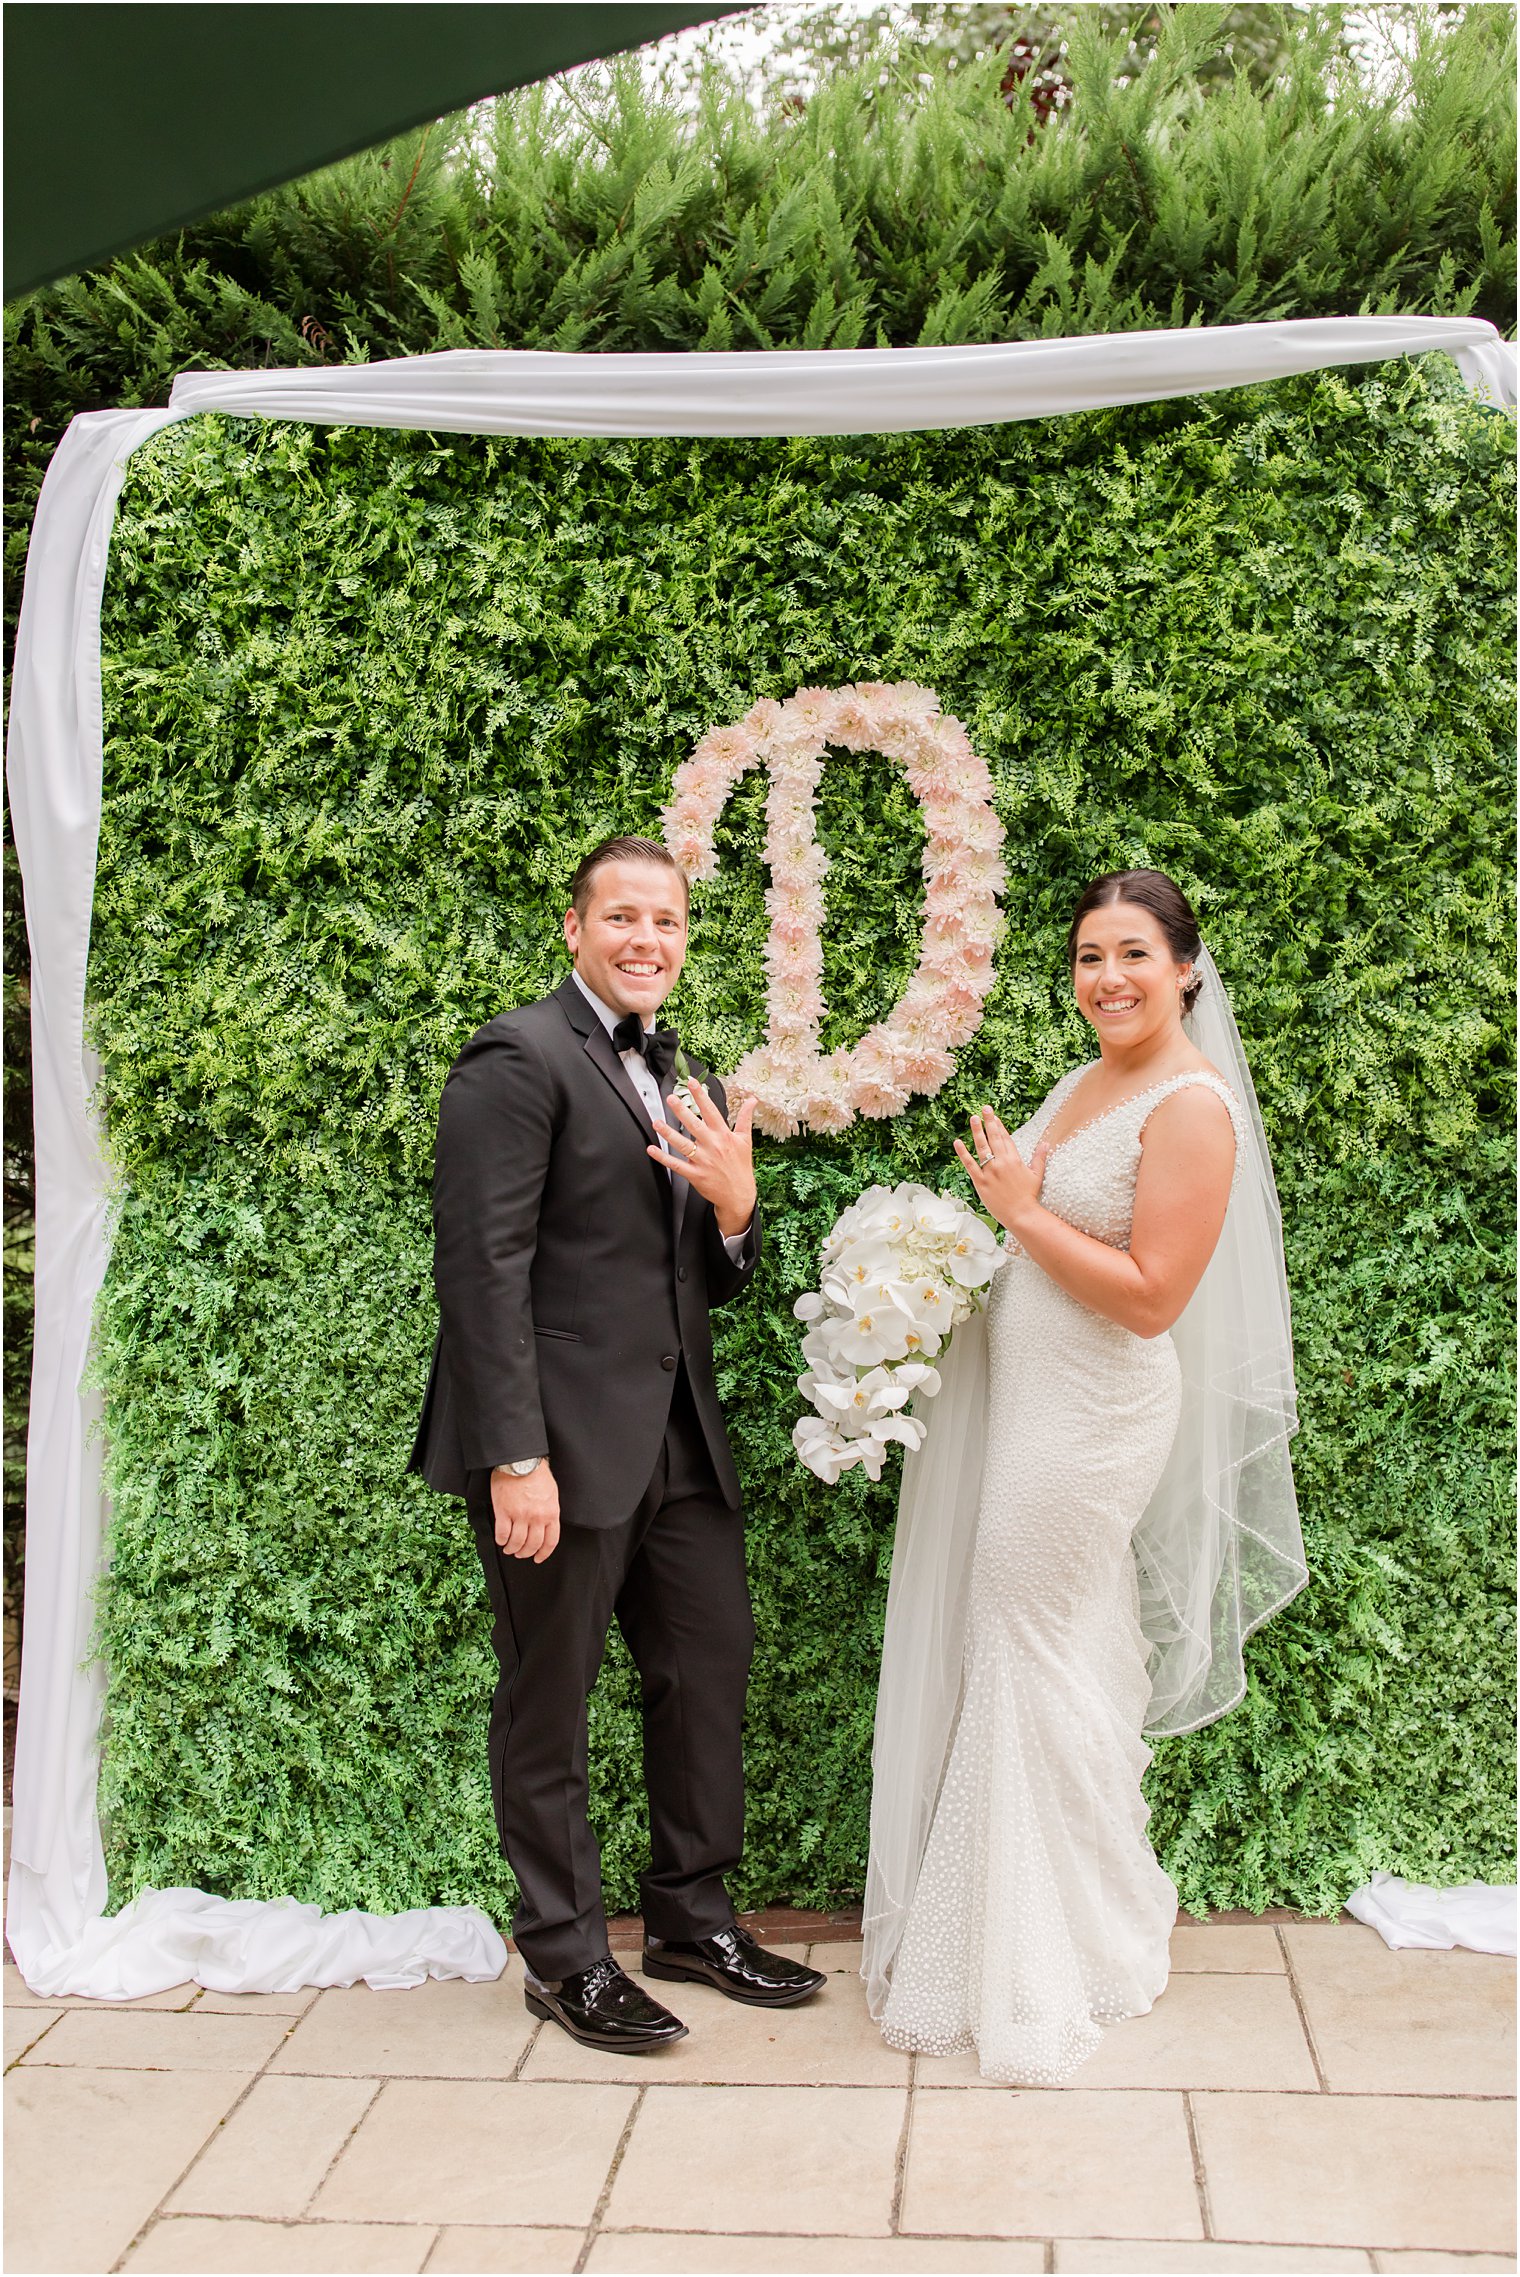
(716, 1159)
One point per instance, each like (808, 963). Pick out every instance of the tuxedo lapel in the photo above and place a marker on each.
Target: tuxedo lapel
(605, 1060)
(602, 1056)
(679, 1187)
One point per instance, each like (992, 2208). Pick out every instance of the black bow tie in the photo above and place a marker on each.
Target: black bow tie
(656, 1047)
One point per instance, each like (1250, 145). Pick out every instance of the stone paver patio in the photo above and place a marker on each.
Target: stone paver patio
(1300, 2099)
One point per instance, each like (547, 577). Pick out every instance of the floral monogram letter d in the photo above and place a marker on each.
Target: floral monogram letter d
(795, 1086)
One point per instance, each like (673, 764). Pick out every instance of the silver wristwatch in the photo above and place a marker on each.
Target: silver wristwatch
(526, 1467)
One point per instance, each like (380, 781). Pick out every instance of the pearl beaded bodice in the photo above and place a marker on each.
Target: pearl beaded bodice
(1090, 1174)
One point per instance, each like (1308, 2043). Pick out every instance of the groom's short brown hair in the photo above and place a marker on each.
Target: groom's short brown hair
(620, 850)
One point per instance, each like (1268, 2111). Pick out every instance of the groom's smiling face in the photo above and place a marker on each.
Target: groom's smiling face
(630, 943)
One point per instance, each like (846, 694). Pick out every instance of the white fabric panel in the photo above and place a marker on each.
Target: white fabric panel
(171, 1937)
(1489, 370)
(1479, 1915)
(802, 391)
(57, 1880)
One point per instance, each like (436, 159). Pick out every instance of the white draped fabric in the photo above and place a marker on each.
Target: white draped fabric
(57, 1887)
(1479, 1915)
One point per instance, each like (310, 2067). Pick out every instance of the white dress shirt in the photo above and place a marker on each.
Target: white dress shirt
(649, 1091)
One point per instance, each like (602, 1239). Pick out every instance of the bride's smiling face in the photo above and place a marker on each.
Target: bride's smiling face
(1128, 983)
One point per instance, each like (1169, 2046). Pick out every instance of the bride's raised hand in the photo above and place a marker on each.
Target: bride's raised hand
(1005, 1183)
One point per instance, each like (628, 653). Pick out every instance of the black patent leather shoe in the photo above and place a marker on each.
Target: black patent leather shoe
(734, 1962)
(603, 2008)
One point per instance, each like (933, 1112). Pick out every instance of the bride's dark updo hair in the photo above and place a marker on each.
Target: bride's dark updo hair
(1154, 891)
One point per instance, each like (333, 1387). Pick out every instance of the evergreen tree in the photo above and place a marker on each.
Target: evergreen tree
(593, 213)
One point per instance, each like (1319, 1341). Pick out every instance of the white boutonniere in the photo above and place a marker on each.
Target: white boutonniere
(684, 1082)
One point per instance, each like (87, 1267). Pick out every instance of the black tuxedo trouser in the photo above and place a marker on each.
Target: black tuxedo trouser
(673, 1577)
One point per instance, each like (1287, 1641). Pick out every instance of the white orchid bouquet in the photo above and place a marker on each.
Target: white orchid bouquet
(902, 1268)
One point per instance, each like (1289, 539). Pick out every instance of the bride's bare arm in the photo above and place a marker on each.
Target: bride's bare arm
(1183, 1186)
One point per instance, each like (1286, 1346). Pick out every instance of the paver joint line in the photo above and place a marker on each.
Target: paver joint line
(593, 2227)
(36, 2043)
(527, 2049)
(1303, 2014)
(327, 2172)
(900, 2164)
(157, 2213)
(1200, 2178)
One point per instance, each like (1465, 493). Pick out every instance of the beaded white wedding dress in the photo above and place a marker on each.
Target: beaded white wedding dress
(1040, 1912)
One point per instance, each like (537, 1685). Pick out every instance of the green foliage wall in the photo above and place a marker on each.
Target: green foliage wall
(369, 696)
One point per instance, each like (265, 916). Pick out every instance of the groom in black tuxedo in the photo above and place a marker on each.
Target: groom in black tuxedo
(585, 1219)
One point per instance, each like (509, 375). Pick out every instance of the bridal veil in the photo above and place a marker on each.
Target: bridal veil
(1217, 1551)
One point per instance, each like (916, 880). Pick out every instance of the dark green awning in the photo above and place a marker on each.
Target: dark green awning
(123, 121)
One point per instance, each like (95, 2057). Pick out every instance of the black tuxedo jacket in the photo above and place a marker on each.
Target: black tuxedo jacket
(573, 1273)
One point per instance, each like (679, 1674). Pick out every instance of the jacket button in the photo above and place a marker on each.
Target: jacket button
(680, 1272)
(667, 1359)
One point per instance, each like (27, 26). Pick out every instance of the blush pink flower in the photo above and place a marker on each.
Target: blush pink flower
(917, 1027)
(943, 822)
(827, 1110)
(947, 924)
(790, 928)
(796, 950)
(797, 995)
(987, 875)
(980, 829)
(798, 862)
(773, 1120)
(794, 745)
(981, 919)
(876, 1055)
(855, 726)
(878, 1100)
(911, 699)
(689, 811)
(950, 739)
(965, 777)
(762, 718)
(731, 748)
(926, 1070)
(796, 753)
(811, 707)
(941, 959)
(797, 902)
(952, 994)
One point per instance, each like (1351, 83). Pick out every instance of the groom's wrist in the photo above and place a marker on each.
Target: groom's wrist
(735, 1219)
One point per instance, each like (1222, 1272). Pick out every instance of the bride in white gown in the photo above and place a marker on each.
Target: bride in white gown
(1101, 1513)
